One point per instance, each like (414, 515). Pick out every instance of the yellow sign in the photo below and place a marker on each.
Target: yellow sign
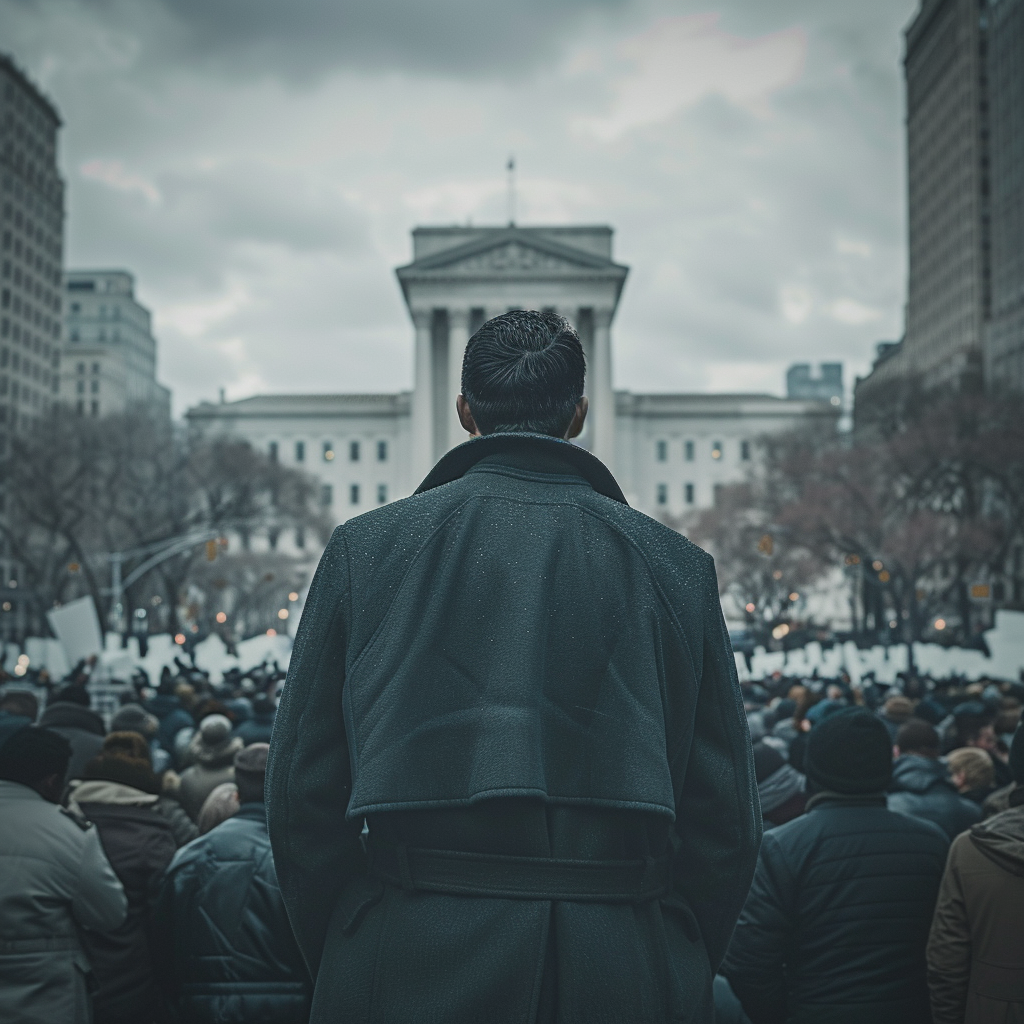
(980, 590)
(766, 545)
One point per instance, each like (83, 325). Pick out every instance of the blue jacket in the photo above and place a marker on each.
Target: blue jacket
(921, 788)
(835, 926)
(222, 945)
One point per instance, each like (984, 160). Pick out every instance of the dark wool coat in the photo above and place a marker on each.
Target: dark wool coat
(921, 788)
(512, 632)
(835, 926)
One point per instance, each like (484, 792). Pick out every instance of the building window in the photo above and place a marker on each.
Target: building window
(688, 492)
(353, 451)
(745, 451)
(661, 450)
(382, 494)
(382, 451)
(353, 494)
(80, 407)
(300, 537)
(327, 496)
(272, 451)
(688, 450)
(81, 387)
(81, 367)
(662, 494)
(328, 451)
(272, 538)
(95, 408)
(95, 367)
(95, 387)
(300, 451)
(716, 450)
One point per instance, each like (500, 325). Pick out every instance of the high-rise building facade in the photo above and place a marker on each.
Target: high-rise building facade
(964, 67)
(31, 252)
(109, 359)
(1004, 336)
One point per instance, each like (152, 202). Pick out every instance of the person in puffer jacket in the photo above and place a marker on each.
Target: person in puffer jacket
(921, 786)
(222, 944)
(835, 925)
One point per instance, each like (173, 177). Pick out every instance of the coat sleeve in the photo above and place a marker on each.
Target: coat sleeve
(317, 853)
(949, 946)
(755, 964)
(718, 818)
(99, 904)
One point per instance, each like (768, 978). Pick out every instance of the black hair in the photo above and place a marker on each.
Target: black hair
(32, 754)
(916, 736)
(20, 702)
(523, 372)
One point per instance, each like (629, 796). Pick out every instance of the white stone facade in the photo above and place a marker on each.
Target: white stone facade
(668, 451)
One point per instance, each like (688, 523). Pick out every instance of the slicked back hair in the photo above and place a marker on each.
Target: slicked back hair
(523, 372)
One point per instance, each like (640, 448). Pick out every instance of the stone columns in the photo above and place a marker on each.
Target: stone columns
(602, 397)
(422, 400)
(458, 335)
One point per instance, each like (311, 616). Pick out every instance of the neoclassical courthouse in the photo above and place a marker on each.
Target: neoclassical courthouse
(668, 451)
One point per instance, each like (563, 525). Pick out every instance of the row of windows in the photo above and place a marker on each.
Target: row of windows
(690, 450)
(354, 494)
(32, 342)
(689, 494)
(24, 394)
(355, 450)
(34, 371)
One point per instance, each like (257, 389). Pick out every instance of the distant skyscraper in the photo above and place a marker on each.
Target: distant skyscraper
(965, 173)
(109, 362)
(826, 387)
(31, 252)
(1004, 338)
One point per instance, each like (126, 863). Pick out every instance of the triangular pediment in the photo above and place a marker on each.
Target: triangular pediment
(511, 253)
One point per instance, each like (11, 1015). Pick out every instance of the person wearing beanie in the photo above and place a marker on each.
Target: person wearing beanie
(55, 883)
(835, 925)
(780, 787)
(896, 711)
(921, 785)
(135, 718)
(258, 729)
(224, 948)
(70, 715)
(166, 706)
(215, 750)
(118, 794)
(974, 949)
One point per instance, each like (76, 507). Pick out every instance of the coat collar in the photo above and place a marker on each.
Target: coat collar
(577, 460)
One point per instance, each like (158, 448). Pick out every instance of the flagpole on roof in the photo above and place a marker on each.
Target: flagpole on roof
(511, 191)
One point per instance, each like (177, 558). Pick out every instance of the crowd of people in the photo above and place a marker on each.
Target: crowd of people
(138, 882)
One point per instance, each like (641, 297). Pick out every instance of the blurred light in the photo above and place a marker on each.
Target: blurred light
(13, 584)
(835, 399)
(283, 613)
(877, 565)
(293, 596)
(73, 567)
(884, 576)
(194, 628)
(781, 630)
(179, 638)
(940, 623)
(852, 559)
(271, 632)
(716, 453)
(23, 659)
(777, 575)
(328, 455)
(766, 545)
(794, 596)
(222, 616)
(211, 550)
(751, 607)
(893, 623)
(20, 670)
(7, 606)
(154, 601)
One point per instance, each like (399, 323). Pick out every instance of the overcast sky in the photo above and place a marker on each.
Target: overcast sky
(258, 166)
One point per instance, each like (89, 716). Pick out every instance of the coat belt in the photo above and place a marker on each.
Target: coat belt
(461, 873)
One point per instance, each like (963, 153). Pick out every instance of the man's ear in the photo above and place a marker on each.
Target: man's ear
(466, 416)
(579, 417)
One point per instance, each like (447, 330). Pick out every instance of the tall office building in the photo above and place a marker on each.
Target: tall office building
(965, 176)
(31, 252)
(109, 361)
(1004, 337)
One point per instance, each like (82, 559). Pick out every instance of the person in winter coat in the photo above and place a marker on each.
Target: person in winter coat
(835, 926)
(118, 794)
(975, 950)
(920, 782)
(896, 712)
(971, 771)
(214, 763)
(135, 718)
(259, 728)
(224, 948)
(54, 880)
(170, 712)
(525, 688)
(82, 727)
(781, 789)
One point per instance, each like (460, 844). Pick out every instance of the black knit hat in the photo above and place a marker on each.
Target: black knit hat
(850, 752)
(767, 761)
